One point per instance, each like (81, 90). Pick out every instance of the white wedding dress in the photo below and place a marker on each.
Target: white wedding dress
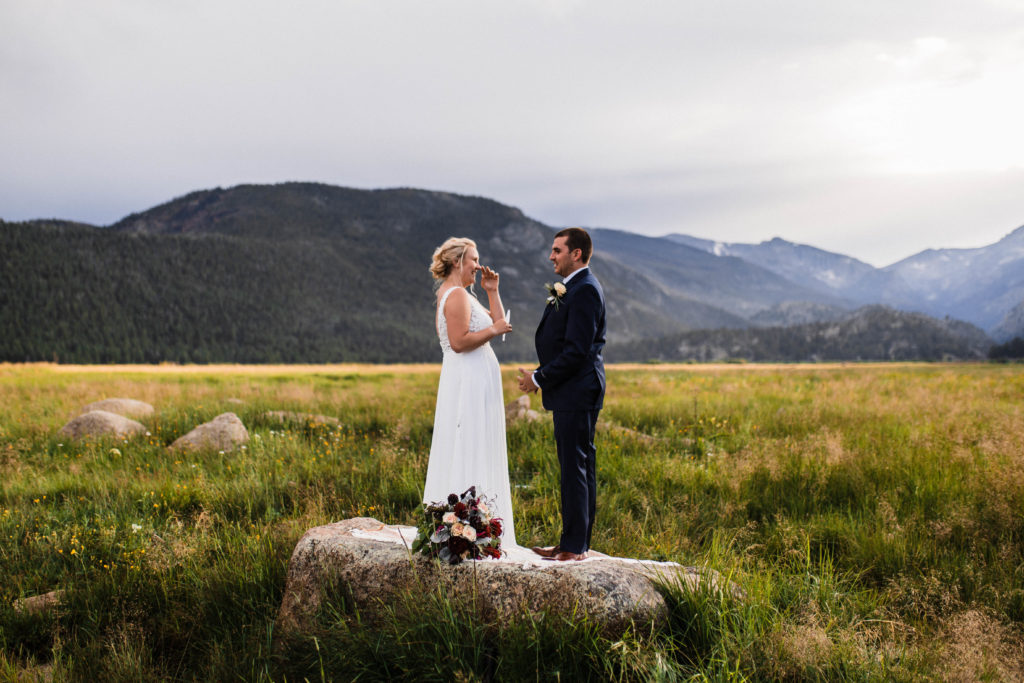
(468, 446)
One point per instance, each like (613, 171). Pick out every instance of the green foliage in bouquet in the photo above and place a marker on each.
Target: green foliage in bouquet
(458, 529)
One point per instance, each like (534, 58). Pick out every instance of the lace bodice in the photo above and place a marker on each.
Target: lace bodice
(479, 319)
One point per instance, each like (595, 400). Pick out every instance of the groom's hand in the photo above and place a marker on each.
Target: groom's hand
(526, 384)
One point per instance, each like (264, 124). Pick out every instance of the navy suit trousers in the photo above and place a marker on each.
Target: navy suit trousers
(574, 439)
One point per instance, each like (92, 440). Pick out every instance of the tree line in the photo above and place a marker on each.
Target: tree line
(80, 294)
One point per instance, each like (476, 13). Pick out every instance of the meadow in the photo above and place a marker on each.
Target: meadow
(874, 515)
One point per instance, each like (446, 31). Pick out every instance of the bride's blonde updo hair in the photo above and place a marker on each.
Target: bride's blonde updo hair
(449, 255)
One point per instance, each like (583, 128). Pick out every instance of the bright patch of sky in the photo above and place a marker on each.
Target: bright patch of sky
(874, 129)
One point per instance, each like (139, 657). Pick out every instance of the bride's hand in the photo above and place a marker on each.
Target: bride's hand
(488, 279)
(500, 327)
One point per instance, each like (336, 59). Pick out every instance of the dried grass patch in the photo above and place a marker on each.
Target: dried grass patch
(800, 649)
(980, 647)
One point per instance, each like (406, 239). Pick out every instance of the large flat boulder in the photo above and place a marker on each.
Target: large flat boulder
(222, 433)
(127, 407)
(97, 423)
(373, 562)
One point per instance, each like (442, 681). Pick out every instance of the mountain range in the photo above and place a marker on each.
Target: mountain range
(982, 286)
(306, 272)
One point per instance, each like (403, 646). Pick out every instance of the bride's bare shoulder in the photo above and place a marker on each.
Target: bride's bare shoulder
(458, 302)
(458, 294)
(454, 301)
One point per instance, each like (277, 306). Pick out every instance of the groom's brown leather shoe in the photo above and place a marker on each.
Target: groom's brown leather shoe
(547, 552)
(566, 556)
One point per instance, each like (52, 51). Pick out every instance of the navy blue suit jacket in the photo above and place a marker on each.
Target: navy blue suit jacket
(569, 342)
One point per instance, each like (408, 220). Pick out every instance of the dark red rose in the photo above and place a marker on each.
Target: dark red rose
(458, 545)
(460, 509)
(452, 499)
(495, 527)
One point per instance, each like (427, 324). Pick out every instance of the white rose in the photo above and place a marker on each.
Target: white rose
(559, 288)
(449, 518)
(457, 529)
(469, 533)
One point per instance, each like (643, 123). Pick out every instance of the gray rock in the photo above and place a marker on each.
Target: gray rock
(613, 591)
(519, 409)
(101, 423)
(128, 407)
(222, 433)
(288, 416)
(621, 431)
(37, 604)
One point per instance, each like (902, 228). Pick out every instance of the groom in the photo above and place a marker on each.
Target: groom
(571, 374)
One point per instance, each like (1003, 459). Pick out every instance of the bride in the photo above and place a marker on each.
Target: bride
(468, 446)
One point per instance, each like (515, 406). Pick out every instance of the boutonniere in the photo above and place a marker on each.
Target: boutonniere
(555, 293)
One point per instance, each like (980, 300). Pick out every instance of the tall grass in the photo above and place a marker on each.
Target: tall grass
(874, 516)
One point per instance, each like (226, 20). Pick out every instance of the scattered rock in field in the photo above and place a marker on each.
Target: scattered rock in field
(619, 430)
(101, 423)
(127, 407)
(519, 409)
(38, 604)
(36, 673)
(613, 591)
(288, 416)
(222, 433)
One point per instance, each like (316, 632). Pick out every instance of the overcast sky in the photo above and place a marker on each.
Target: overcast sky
(871, 128)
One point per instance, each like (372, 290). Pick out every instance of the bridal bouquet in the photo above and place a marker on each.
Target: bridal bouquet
(459, 529)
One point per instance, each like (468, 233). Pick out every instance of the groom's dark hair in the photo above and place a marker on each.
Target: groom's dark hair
(577, 238)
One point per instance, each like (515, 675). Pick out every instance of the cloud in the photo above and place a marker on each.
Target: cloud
(749, 119)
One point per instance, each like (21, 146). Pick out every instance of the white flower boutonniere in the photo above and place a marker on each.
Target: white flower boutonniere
(555, 293)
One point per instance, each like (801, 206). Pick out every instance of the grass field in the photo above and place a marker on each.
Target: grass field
(874, 514)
